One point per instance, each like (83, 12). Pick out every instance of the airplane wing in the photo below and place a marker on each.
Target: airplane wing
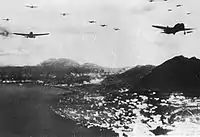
(159, 27)
(41, 34)
(189, 29)
(31, 6)
(189, 32)
(22, 34)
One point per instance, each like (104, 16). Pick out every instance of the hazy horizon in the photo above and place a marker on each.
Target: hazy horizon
(72, 37)
(81, 63)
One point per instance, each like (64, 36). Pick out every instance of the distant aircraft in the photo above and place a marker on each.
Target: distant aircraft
(116, 29)
(92, 21)
(188, 13)
(169, 9)
(154, 0)
(103, 25)
(31, 34)
(179, 5)
(31, 6)
(64, 14)
(6, 19)
(173, 30)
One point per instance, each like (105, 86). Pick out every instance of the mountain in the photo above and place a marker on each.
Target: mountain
(178, 73)
(100, 68)
(92, 66)
(56, 71)
(68, 63)
(59, 63)
(129, 77)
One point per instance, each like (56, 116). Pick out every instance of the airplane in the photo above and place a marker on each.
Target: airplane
(179, 5)
(103, 25)
(92, 21)
(188, 13)
(31, 34)
(116, 29)
(169, 9)
(6, 19)
(154, 0)
(173, 30)
(64, 14)
(31, 6)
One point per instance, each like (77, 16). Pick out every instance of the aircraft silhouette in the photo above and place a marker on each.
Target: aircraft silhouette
(179, 5)
(31, 34)
(103, 25)
(31, 6)
(64, 14)
(6, 19)
(188, 13)
(92, 21)
(169, 9)
(154, 0)
(116, 29)
(173, 30)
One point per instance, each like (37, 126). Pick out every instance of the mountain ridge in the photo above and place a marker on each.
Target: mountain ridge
(60, 62)
(128, 78)
(178, 73)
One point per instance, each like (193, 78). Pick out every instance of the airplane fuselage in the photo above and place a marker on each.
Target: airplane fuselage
(30, 35)
(173, 30)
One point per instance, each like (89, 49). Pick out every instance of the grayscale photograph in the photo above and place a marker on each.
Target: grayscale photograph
(99, 68)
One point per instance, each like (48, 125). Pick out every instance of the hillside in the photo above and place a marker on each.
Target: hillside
(98, 68)
(129, 77)
(179, 73)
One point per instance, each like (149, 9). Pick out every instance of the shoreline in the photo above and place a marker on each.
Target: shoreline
(26, 112)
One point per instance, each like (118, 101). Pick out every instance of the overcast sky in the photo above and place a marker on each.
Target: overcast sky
(74, 38)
